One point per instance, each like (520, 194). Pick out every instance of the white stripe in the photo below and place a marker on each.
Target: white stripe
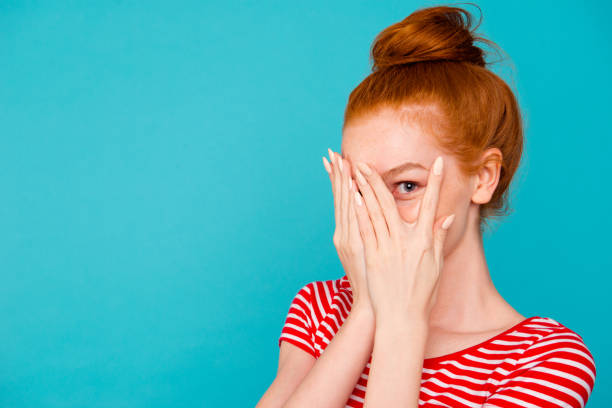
(328, 327)
(333, 317)
(321, 335)
(564, 333)
(298, 317)
(547, 342)
(307, 313)
(432, 401)
(516, 401)
(457, 387)
(335, 306)
(482, 360)
(552, 385)
(303, 311)
(452, 375)
(568, 376)
(576, 364)
(319, 304)
(343, 302)
(551, 321)
(502, 371)
(298, 328)
(565, 361)
(356, 398)
(319, 348)
(510, 343)
(298, 339)
(328, 297)
(568, 349)
(489, 351)
(302, 298)
(536, 394)
(451, 396)
(539, 327)
(469, 368)
(522, 334)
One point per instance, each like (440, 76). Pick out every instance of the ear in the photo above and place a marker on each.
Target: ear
(488, 176)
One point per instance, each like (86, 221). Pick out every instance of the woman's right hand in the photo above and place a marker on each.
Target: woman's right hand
(347, 238)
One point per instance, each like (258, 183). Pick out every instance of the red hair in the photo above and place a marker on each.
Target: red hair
(429, 60)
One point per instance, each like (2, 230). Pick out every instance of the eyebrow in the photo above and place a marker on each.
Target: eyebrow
(401, 168)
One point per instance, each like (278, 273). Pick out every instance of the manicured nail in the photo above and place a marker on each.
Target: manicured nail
(326, 164)
(364, 168)
(358, 198)
(331, 155)
(350, 184)
(437, 167)
(448, 221)
(360, 178)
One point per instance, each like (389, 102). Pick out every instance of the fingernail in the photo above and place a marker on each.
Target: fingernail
(360, 178)
(448, 221)
(357, 198)
(331, 155)
(326, 164)
(340, 163)
(437, 167)
(350, 184)
(364, 167)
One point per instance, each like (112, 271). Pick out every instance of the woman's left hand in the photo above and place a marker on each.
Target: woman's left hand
(403, 260)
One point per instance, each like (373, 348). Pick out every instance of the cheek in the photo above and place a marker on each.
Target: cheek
(409, 210)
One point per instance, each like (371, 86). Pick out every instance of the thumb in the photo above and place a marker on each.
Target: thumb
(440, 236)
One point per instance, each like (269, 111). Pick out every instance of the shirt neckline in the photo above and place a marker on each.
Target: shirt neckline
(449, 356)
(344, 283)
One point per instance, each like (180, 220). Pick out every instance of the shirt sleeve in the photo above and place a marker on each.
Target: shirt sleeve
(298, 329)
(556, 371)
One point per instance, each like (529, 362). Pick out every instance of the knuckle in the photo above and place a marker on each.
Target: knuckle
(336, 240)
(427, 247)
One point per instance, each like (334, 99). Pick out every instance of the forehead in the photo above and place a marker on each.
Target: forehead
(390, 137)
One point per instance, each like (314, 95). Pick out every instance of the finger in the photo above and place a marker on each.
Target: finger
(349, 198)
(371, 202)
(353, 224)
(335, 185)
(366, 230)
(344, 197)
(384, 197)
(440, 237)
(429, 206)
(329, 170)
(327, 166)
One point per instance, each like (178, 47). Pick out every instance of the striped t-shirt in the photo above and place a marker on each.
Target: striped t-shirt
(536, 363)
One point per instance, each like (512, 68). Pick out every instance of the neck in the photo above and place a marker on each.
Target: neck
(467, 299)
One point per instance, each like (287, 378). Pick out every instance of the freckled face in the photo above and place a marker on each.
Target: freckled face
(387, 140)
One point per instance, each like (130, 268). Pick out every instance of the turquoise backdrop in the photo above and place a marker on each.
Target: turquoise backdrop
(163, 195)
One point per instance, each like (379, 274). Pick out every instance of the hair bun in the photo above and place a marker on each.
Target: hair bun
(431, 34)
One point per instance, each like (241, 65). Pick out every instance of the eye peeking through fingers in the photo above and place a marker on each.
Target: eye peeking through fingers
(411, 187)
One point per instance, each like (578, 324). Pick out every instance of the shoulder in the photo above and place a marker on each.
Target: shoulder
(554, 365)
(327, 299)
(553, 339)
(325, 290)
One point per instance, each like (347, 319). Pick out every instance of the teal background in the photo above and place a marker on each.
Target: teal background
(163, 195)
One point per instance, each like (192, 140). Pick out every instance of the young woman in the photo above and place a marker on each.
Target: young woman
(430, 143)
